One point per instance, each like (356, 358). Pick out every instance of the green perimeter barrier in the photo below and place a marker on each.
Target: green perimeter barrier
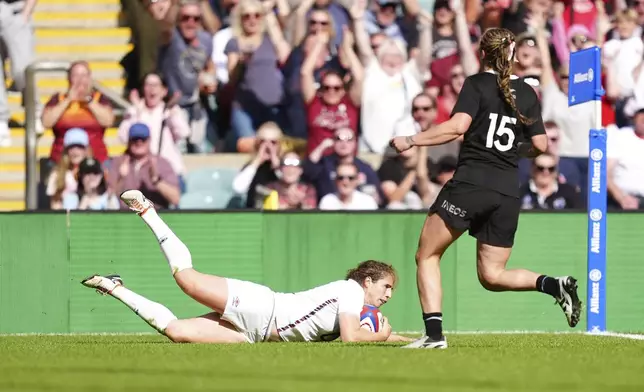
(43, 257)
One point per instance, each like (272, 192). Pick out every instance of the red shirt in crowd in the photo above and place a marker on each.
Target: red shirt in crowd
(77, 115)
(323, 120)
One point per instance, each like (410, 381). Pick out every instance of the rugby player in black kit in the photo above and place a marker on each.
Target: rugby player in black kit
(499, 117)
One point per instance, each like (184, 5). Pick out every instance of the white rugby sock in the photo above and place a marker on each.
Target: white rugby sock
(175, 251)
(155, 314)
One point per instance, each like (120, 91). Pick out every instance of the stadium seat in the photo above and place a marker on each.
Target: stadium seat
(210, 179)
(206, 200)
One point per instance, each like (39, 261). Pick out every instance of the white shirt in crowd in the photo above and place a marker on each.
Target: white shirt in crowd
(358, 201)
(313, 315)
(574, 122)
(386, 100)
(626, 55)
(627, 150)
(219, 41)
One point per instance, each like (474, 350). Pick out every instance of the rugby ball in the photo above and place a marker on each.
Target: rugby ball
(371, 318)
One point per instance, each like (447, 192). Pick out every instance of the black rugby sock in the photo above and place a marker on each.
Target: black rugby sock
(433, 325)
(548, 285)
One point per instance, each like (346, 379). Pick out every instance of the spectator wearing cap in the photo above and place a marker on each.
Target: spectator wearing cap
(331, 106)
(544, 191)
(293, 194)
(139, 169)
(80, 107)
(321, 170)
(625, 165)
(63, 180)
(92, 191)
(392, 80)
(347, 196)
(164, 118)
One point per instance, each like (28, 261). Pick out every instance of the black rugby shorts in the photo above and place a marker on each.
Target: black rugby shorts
(491, 217)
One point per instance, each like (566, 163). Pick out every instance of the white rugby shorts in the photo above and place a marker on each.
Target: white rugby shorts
(250, 309)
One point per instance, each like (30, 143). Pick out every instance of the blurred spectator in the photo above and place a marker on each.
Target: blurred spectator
(544, 191)
(626, 50)
(625, 166)
(80, 107)
(391, 82)
(139, 169)
(18, 43)
(567, 170)
(62, 183)
(320, 171)
(528, 64)
(405, 177)
(443, 35)
(444, 170)
(261, 169)
(92, 191)
(325, 61)
(293, 194)
(315, 15)
(516, 15)
(329, 107)
(186, 62)
(574, 121)
(145, 37)
(255, 53)
(162, 116)
(347, 196)
(382, 16)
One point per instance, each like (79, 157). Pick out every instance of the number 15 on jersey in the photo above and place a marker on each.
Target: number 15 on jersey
(500, 131)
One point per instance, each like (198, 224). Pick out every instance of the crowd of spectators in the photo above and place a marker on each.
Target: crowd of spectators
(304, 87)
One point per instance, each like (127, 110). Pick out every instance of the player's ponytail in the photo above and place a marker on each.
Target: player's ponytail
(495, 46)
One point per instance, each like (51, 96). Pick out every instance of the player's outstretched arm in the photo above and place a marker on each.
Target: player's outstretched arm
(350, 330)
(443, 133)
(398, 338)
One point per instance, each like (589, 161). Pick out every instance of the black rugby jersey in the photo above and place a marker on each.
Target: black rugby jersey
(488, 155)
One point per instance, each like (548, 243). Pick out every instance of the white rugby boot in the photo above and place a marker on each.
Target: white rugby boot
(569, 300)
(427, 342)
(136, 201)
(103, 284)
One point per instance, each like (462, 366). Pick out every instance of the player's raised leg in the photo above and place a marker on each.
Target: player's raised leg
(205, 329)
(493, 275)
(209, 290)
(435, 238)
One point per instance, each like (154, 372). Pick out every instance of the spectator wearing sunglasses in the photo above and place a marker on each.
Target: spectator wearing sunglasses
(315, 15)
(331, 106)
(320, 171)
(292, 193)
(347, 197)
(544, 191)
(568, 173)
(186, 62)
(255, 54)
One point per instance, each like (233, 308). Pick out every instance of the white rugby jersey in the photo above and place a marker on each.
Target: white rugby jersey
(312, 315)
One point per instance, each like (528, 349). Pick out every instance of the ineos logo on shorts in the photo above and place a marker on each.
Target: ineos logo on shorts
(452, 209)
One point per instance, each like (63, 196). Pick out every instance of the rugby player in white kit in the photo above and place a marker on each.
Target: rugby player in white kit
(249, 312)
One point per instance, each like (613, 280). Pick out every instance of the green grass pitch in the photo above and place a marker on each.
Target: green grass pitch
(472, 363)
